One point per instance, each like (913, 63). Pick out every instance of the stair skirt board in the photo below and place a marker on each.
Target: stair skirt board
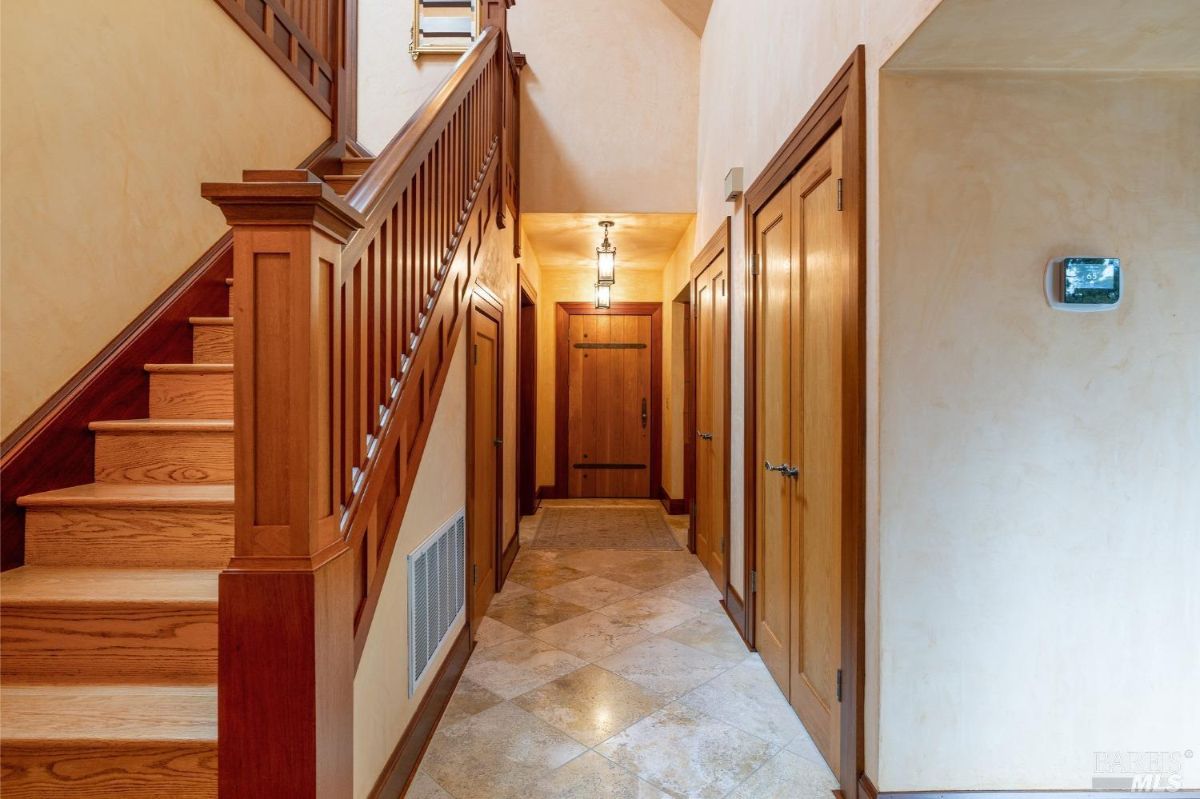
(436, 594)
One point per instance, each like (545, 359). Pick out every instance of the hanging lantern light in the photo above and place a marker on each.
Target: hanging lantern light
(603, 296)
(606, 259)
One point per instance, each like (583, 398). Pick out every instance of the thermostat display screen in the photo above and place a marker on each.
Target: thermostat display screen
(1093, 281)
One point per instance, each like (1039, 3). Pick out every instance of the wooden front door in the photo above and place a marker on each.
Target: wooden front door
(609, 430)
(483, 442)
(710, 308)
(804, 305)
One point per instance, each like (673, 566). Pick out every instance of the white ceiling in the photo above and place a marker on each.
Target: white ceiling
(643, 241)
(1117, 35)
(694, 13)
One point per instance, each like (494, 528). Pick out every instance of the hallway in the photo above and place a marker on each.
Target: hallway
(615, 673)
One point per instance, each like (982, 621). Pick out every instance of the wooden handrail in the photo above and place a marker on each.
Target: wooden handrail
(346, 313)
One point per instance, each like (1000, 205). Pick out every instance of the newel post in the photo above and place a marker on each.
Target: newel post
(286, 659)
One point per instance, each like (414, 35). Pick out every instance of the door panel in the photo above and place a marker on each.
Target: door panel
(773, 365)
(822, 254)
(609, 405)
(712, 369)
(485, 462)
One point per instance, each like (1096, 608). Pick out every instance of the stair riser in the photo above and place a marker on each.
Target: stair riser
(164, 457)
(122, 537)
(230, 301)
(212, 344)
(62, 642)
(191, 396)
(341, 185)
(57, 769)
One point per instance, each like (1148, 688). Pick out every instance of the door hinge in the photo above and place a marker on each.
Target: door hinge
(475, 581)
(722, 288)
(756, 267)
(839, 685)
(839, 194)
(753, 581)
(475, 355)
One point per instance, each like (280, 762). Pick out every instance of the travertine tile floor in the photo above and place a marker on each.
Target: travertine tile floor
(614, 674)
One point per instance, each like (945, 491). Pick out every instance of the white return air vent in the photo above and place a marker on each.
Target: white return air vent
(436, 593)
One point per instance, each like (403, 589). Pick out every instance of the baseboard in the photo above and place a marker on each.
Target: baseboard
(402, 765)
(53, 448)
(510, 555)
(735, 609)
(673, 507)
(549, 492)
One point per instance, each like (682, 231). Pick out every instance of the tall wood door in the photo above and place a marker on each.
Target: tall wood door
(711, 310)
(484, 442)
(609, 405)
(805, 306)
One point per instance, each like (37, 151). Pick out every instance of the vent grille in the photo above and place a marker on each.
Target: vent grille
(436, 593)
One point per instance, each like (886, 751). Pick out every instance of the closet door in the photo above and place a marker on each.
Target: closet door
(773, 363)
(820, 313)
(711, 307)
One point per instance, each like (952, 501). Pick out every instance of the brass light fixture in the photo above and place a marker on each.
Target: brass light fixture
(603, 296)
(606, 259)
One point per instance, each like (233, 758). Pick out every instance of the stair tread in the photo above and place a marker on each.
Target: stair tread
(108, 712)
(83, 585)
(132, 495)
(163, 425)
(212, 321)
(189, 368)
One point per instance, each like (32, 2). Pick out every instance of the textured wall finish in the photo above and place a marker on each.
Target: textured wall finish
(112, 120)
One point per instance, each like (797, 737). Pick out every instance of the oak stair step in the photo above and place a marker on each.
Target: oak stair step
(132, 741)
(342, 184)
(212, 339)
(74, 624)
(130, 524)
(354, 165)
(164, 451)
(191, 390)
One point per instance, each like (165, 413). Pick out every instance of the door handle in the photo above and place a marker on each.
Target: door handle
(497, 442)
(704, 436)
(783, 468)
(643, 413)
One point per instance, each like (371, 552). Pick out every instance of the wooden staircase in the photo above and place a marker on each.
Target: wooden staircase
(109, 630)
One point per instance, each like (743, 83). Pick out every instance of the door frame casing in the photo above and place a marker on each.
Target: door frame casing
(484, 301)
(527, 488)
(562, 400)
(842, 104)
(717, 245)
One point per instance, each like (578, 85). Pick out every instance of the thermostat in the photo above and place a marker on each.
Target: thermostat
(1083, 284)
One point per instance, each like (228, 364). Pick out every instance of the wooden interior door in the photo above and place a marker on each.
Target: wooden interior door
(711, 310)
(483, 441)
(609, 405)
(773, 365)
(820, 314)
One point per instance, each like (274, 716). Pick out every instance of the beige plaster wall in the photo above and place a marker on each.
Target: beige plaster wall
(1040, 527)
(609, 104)
(573, 285)
(382, 706)
(114, 113)
(762, 66)
(391, 86)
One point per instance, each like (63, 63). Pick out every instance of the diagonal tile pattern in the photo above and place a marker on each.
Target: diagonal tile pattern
(615, 674)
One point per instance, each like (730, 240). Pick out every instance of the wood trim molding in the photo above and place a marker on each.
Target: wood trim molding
(563, 313)
(527, 404)
(673, 507)
(718, 244)
(842, 104)
(402, 765)
(866, 788)
(53, 447)
(509, 557)
(735, 609)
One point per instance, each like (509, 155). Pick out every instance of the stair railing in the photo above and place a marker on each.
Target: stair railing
(345, 316)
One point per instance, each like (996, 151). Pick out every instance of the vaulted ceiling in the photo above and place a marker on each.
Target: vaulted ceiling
(694, 13)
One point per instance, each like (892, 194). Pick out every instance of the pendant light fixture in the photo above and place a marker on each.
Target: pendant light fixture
(606, 259)
(603, 296)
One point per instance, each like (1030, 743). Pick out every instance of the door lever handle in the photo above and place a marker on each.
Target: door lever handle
(497, 442)
(780, 468)
(704, 436)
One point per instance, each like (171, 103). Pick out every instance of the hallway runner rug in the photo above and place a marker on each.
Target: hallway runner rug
(603, 528)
